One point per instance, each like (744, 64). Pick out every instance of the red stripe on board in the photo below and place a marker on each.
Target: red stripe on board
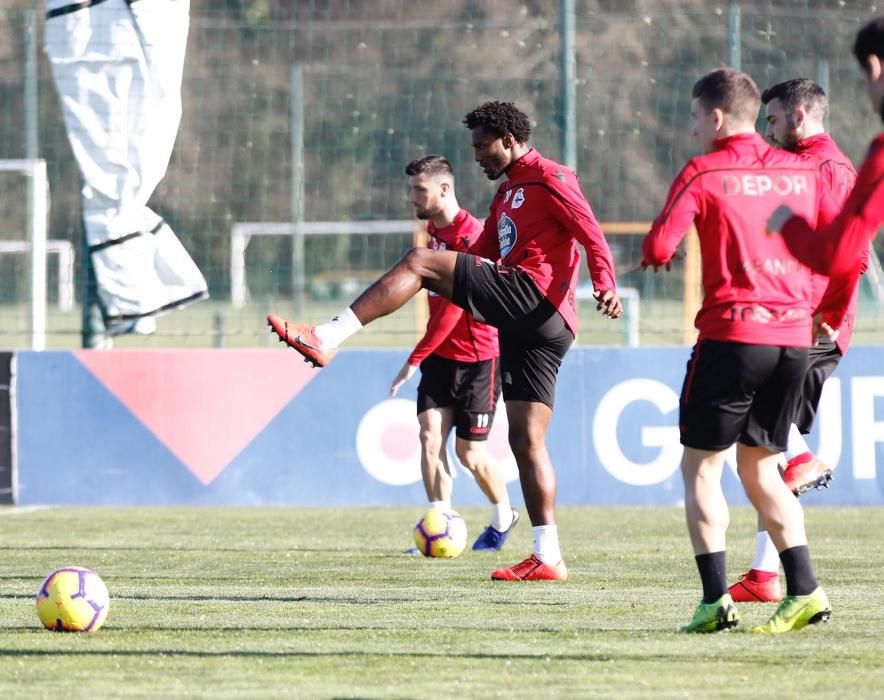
(206, 406)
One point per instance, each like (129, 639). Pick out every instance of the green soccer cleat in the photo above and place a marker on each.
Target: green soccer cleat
(714, 617)
(797, 611)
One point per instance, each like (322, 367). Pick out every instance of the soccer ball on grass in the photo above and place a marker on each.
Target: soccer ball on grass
(73, 599)
(440, 533)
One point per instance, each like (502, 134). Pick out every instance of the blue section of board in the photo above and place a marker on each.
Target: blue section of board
(613, 439)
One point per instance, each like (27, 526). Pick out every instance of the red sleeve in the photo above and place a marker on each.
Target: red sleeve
(815, 248)
(850, 234)
(848, 263)
(683, 205)
(570, 208)
(442, 322)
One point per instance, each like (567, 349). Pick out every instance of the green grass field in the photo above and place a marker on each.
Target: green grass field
(320, 603)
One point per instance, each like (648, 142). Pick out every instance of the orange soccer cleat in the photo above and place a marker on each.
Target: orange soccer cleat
(757, 587)
(532, 569)
(805, 472)
(302, 338)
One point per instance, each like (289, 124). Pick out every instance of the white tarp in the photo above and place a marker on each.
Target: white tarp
(118, 67)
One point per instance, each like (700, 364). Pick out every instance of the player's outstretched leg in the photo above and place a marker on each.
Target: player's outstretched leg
(419, 268)
(302, 337)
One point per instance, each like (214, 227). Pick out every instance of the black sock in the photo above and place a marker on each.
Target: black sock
(713, 575)
(800, 579)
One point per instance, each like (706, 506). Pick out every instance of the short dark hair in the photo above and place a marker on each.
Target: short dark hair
(500, 118)
(731, 91)
(433, 164)
(799, 92)
(869, 41)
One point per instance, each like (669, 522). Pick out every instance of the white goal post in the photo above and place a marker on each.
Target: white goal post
(66, 260)
(631, 300)
(243, 232)
(38, 209)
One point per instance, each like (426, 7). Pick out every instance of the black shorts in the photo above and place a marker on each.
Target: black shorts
(533, 335)
(471, 388)
(821, 362)
(735, 392)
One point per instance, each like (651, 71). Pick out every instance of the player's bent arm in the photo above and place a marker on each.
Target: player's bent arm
(569, 207)
(844, 271)
(852, 232)
(683, 204)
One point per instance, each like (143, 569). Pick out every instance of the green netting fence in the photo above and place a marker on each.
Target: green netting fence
(310, 110)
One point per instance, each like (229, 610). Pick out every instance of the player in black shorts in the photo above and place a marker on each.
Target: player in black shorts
(462, 395)
(747, 368)
(796, 113)
(522, 279)
(533, 335)
(458, 359)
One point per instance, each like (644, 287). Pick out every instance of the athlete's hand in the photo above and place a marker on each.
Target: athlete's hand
(779, 218)
(608, 303)
(406, 373)
(821, 329)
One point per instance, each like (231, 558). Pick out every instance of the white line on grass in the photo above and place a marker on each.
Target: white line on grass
(22, 510)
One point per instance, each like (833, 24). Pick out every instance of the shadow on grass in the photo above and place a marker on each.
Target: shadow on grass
(322, 600)
(236, 550)
(13, 653)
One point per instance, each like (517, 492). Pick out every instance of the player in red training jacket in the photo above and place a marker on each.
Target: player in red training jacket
(458, 358)
(747, 368)
(847, 238)
(796, 111)
(523, 285)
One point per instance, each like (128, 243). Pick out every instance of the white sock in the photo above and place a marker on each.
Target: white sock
(546, 543)
(441, 505)
(797, 444)
(766, 556)
(502, 514)
(336, 331)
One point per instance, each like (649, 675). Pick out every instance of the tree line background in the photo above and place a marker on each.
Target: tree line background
(386, 81)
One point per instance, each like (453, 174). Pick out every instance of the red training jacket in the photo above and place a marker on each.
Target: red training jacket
(453, 333)
(837, 178)
(847, 238)
(754, 290)
(537, 218)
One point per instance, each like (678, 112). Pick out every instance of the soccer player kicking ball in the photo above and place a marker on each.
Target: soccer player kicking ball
(746, 370)
(796, 111)
(458, 358)
(847, 238)
(521, 280)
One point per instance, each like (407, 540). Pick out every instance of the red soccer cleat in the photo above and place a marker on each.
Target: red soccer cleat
(805, 472)
(757, 587)
(532, 569)
(302, 338)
